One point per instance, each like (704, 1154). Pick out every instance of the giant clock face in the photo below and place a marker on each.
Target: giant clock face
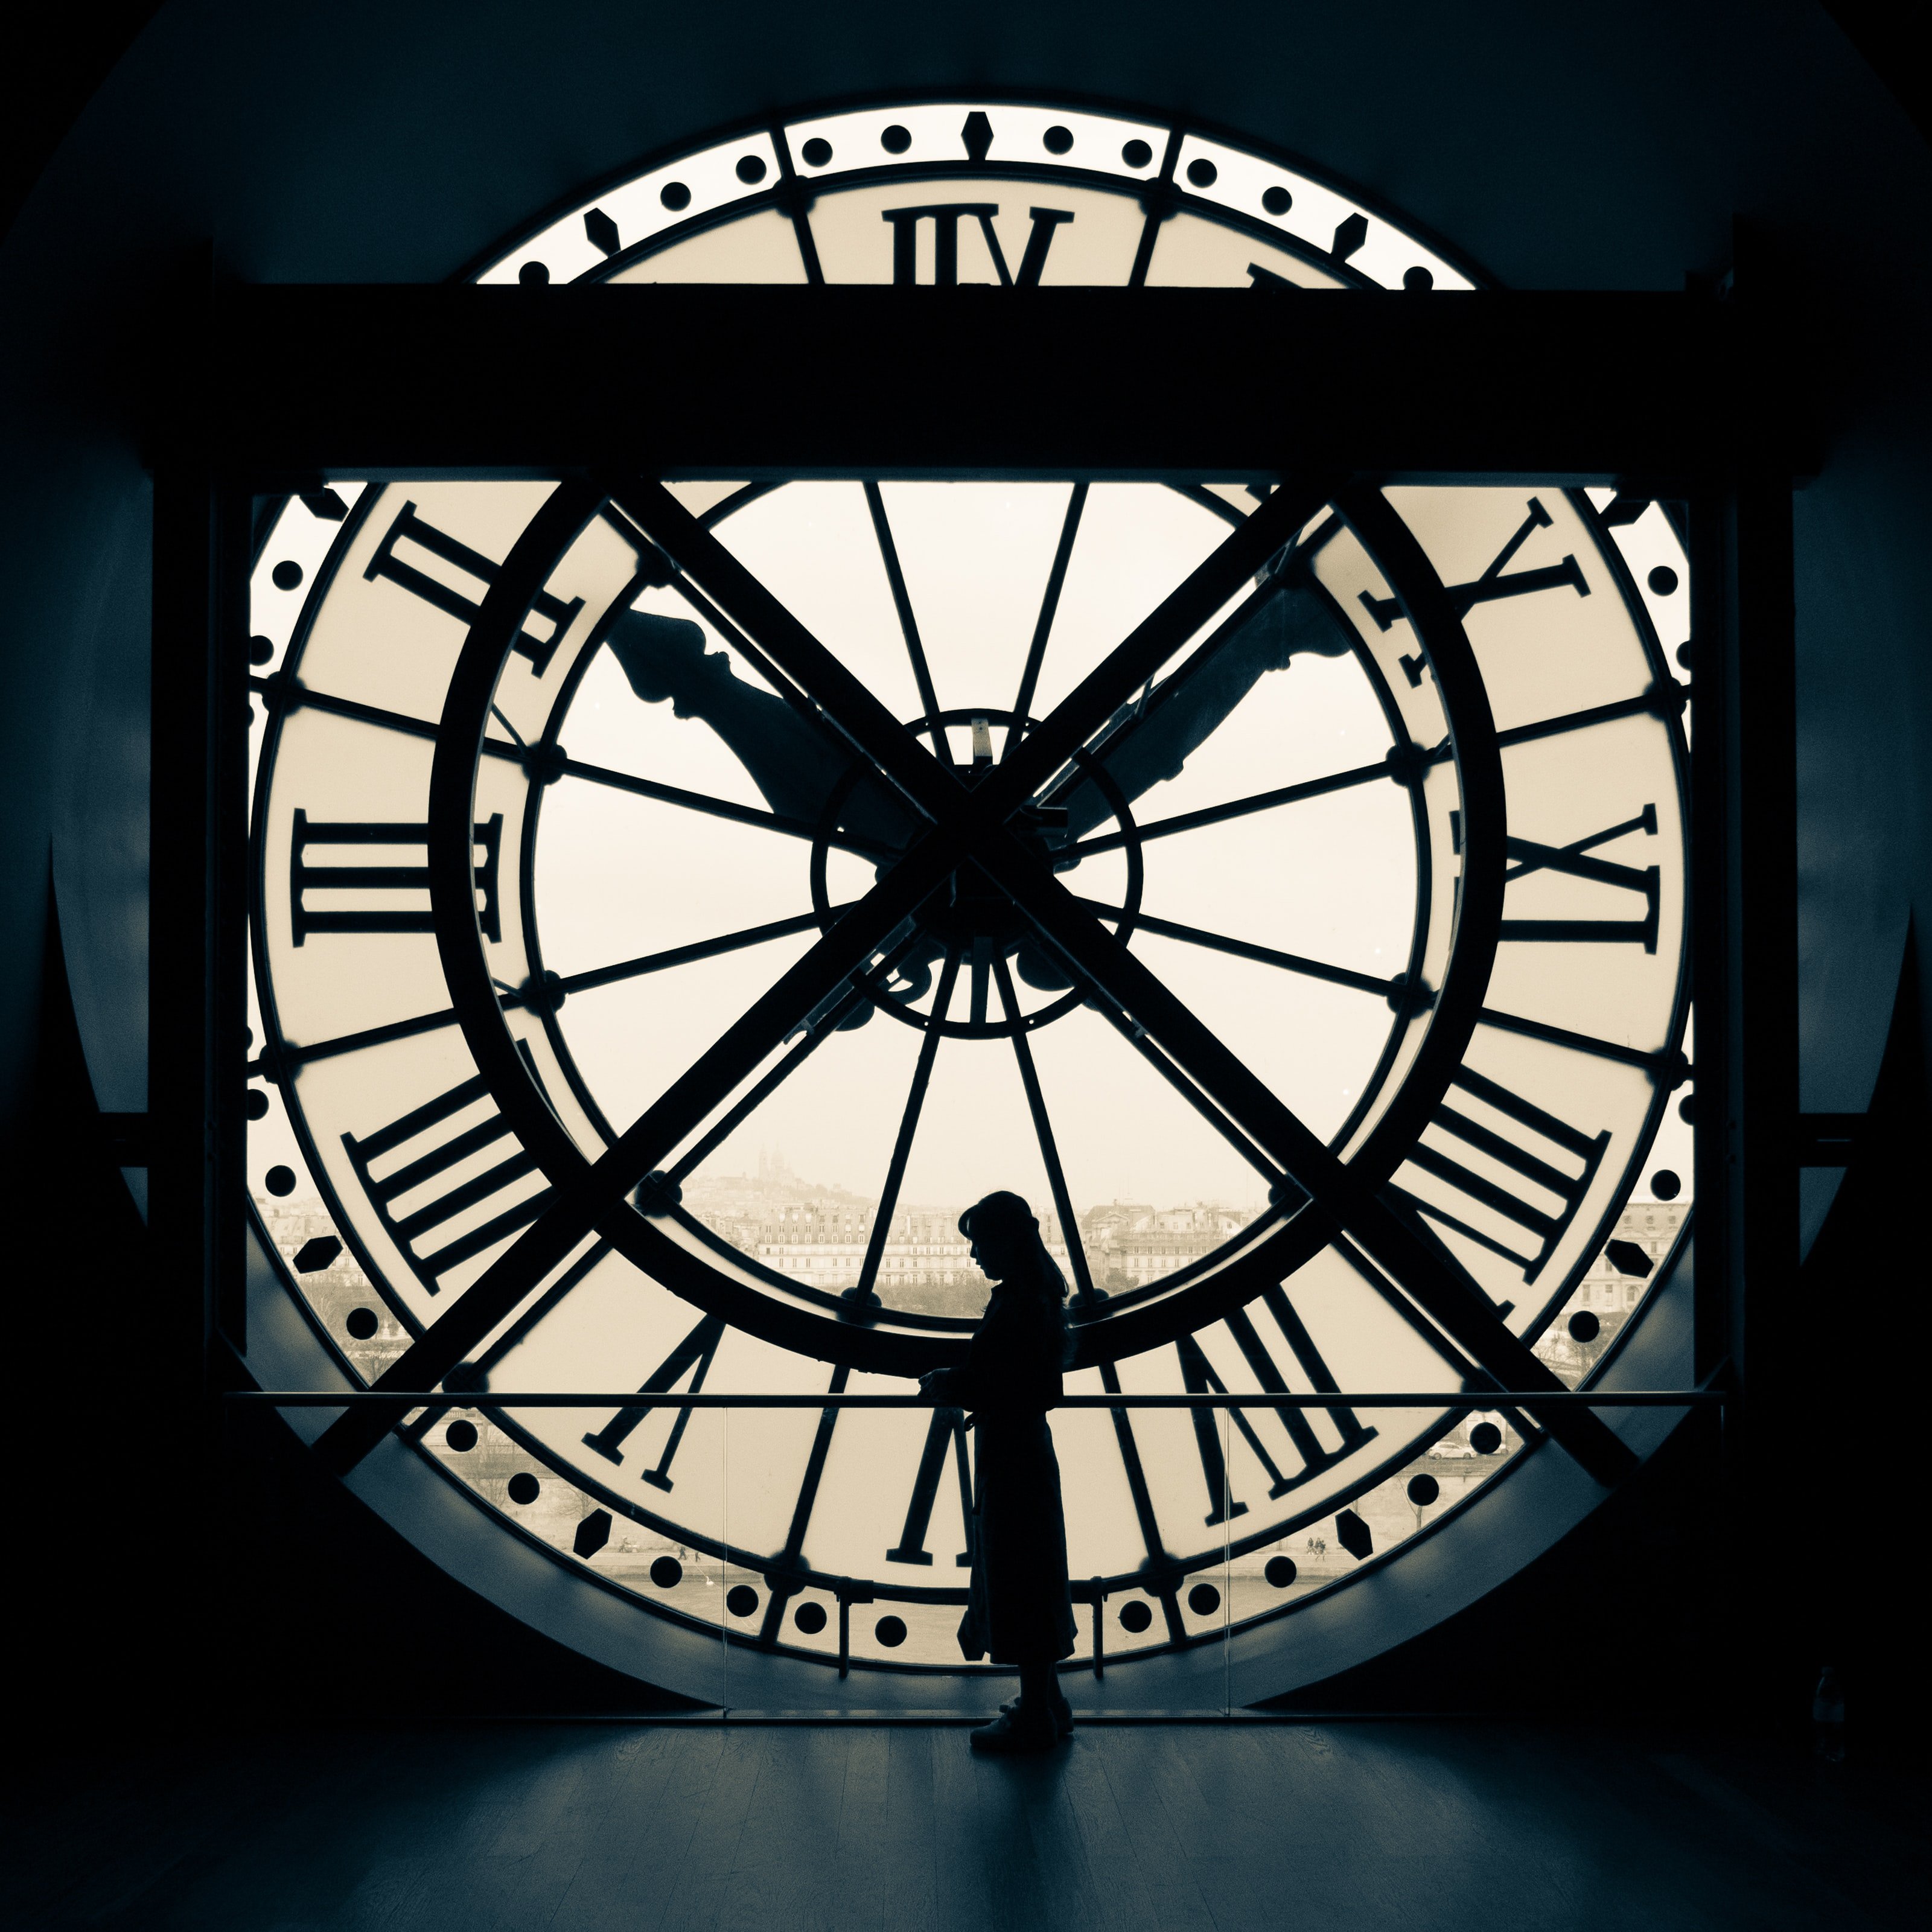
(528, 891)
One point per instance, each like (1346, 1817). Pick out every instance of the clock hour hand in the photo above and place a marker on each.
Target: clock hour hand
(794, 766)
(1146, 742)
(1142, 745)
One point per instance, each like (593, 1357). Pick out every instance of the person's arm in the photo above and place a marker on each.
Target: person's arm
(980, 1383)
(953, 1386)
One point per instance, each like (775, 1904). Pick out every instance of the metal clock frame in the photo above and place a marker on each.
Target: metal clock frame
(1737, 486)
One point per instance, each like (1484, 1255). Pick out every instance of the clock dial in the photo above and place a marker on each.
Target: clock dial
(1372, 810)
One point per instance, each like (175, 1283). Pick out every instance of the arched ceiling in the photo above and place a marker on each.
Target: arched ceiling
(1561, 147)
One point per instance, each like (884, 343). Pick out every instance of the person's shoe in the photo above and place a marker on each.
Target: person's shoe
(1063, 1714)
(1014, 1734)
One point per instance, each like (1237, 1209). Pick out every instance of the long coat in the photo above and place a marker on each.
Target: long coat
(1019, 1610)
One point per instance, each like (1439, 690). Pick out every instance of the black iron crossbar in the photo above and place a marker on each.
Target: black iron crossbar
(1555, 387)
(404, 1399)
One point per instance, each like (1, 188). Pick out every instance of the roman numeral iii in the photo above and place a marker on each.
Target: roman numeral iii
(378, 889)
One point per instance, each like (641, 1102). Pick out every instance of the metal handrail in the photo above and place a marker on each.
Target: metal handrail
(1484, 1399)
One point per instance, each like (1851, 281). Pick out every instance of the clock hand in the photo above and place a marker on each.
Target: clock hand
(795, 766)
(1143, 745)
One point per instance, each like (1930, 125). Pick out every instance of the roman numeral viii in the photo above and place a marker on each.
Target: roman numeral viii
(417, 1199)
(1522, 1223)
(427, 541)
(1313, 1456)
(692, 1357)
(372, 888)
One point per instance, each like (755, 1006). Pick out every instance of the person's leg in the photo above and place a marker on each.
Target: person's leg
(1056, 1696)
(1028, 1722)
(1038, 1691)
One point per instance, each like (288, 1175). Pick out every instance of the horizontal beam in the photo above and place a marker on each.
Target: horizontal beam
(297, 384)
(1324, 1399)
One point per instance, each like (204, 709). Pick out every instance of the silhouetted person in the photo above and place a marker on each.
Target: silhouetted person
(1020, 1611)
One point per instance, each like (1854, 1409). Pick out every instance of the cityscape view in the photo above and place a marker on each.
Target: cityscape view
(819, 1235)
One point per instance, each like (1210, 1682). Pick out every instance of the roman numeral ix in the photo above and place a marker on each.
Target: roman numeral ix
(1528, 856)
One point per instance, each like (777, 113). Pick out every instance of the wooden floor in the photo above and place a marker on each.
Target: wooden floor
(781, 1828)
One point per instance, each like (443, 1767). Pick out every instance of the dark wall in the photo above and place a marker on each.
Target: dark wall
(1559, 147)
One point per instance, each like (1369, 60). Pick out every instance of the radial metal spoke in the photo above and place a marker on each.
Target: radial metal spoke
(1579, 1043)
(922, 673)
(556, 762)
(1654, 702)
(1359, 774)
(1241, 949)
(286, 693)
(1056, 1177)
(1238, 807)
(822, 1024)
(716, 808)
(728, 1122)
(574, 983)
(353, 1043)
(1136, 1037)
(1049, 607)
(685, 955)
(867, 1289)
(544, 1303)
